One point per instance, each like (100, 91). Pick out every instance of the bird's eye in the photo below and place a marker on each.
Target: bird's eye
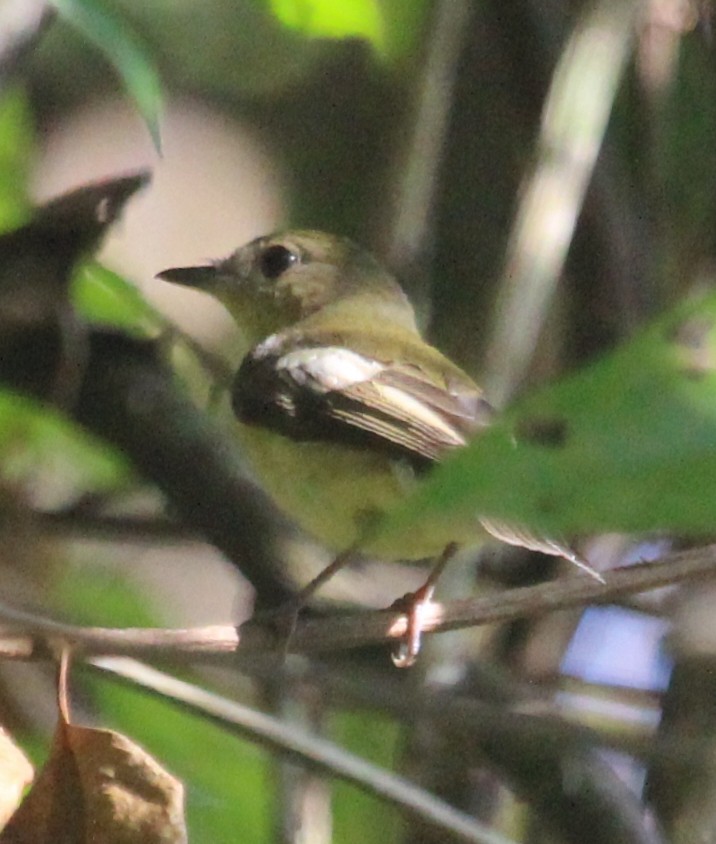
(275, 260)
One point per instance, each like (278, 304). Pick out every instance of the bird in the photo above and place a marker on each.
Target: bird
(341, 404)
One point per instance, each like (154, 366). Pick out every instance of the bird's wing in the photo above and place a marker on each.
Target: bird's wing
(336, 394)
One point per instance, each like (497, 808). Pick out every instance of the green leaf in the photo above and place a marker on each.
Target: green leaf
(102, 296)
(357, 815)
(16, 150)
(405, 22)
(328, 19)
(627, 444)
(38, 443)
(122, 48)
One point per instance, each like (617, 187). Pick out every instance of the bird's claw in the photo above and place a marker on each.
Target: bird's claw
(414, 604)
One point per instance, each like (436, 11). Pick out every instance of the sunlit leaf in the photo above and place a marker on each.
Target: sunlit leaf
(328, 19)
(115, 39)
(16, 148)
(393, 27)
(627, 444)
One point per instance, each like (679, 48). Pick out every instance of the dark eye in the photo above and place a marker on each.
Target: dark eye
(275, 260)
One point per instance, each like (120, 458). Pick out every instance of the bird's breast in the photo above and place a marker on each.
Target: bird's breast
(337, 493)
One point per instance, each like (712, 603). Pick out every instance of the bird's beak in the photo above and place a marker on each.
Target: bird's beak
(200, 278)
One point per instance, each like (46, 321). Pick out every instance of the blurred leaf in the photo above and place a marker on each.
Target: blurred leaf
(628, 444)
(227, 779)
(16, 773)
(99, 783)
(16, 150)
(102, 296)
(358, 815)
(328, 19)
(393, 27)
(404, 25)
(105, 298)
(122, 48)
(37, 441)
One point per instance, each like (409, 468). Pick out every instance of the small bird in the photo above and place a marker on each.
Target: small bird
(341, 403)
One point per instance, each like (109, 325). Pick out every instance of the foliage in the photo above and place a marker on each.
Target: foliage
(623, 443)
(103, 297)
(112, 35)
(38, 444)
(639, 424)
(392, 28)
(229, 780)
(15, 158)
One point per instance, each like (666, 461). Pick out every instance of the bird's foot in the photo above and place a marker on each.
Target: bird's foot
(414, 605)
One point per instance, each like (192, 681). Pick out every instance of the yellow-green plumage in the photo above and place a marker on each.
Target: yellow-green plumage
(339, 400)
(336, 492)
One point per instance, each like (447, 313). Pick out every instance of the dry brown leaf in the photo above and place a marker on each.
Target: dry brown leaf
(16, 772)
(98, 787)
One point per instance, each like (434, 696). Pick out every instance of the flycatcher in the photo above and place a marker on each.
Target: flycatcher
(340, 403)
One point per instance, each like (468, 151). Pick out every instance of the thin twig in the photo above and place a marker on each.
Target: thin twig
(309, 749)
(374, 627)
(355, 629)
(485, 731)
(45, 637)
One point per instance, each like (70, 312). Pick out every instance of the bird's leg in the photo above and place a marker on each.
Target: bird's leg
(413, 604)
(309, 590)
(284, 618)
(365, 523)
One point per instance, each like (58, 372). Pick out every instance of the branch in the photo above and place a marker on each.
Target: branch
(129, 399)
(45, 636)
(36, 637)
(127, 395)
(309, 749)
(538, 753)
(387, 625)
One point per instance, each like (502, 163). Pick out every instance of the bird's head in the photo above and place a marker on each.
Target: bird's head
(275, 281)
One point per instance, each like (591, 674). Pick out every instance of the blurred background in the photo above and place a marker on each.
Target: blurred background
(541, 178)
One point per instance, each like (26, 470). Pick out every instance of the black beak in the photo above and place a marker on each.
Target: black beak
(201, 278)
